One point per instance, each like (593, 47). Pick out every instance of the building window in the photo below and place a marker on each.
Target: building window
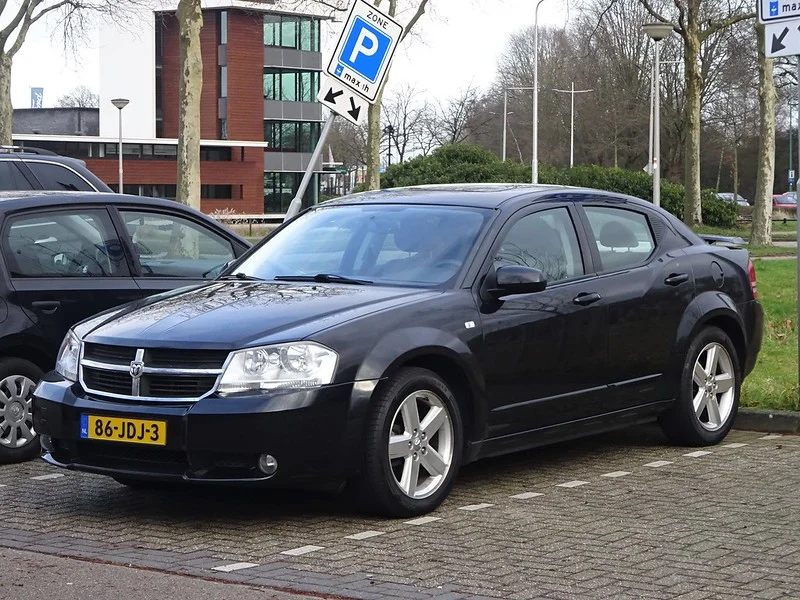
(291, 136)
(216, 192)
(223, 82)
(223, 27)
(290, 86)
(287, 31)
(280, 188)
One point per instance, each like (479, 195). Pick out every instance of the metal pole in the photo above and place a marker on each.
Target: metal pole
(572, 127)
(505, 116)
(657, 132)
(297, 201)
(650, 148)
(535, 153)
(797, 223)
(791, 137)
(119, 151)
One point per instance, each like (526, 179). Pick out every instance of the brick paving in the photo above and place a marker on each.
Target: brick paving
(717, 525)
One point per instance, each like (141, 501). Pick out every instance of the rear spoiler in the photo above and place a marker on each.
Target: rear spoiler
(723, 240)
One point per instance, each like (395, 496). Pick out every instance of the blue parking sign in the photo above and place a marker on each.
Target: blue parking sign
(365, 49)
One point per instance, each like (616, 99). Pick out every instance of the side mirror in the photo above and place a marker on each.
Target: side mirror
(511, 280)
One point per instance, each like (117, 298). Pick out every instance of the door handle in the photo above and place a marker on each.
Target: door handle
(677, 278)
(48, 307)
(584, 298)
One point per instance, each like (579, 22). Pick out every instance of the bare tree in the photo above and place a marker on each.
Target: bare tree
(348, 143)
(80, 97)
(761, 232)
(73, 18)
(190, 21)
(453, 118)
(407, 116)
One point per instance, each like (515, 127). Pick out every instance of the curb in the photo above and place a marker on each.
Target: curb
(770, 421)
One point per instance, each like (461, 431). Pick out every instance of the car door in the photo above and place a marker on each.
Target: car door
(544, 353)
(173, 250)
(648, 283)
(65, 265)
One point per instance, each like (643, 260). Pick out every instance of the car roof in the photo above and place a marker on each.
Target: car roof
(474, 195)
(15, 200)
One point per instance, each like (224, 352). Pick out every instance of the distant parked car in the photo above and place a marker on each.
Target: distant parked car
(67, 256)
(26, 169)
(730, 197)
(787, 201)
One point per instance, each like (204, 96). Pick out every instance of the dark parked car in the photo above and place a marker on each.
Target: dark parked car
(67, 256)
(387, 338)
(31, 169)
(732, 198)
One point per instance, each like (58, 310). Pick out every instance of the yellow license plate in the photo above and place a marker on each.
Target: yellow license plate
(132, 431)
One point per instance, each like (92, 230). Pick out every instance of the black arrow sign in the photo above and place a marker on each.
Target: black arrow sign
(354, 110)
(331, 96)
(777, 40)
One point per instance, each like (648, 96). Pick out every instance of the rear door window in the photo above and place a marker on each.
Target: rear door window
(623, 237)
(53, 176)
(11, 178)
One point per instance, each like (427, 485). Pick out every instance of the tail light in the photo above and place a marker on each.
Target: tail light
(751, 272)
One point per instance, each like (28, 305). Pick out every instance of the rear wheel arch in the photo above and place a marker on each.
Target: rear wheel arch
(710, 309)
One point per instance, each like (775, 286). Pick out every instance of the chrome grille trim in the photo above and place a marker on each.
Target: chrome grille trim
(145, 370)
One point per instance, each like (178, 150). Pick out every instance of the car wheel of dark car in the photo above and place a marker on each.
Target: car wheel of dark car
(709, 394)
(18, 440)
(413, 445)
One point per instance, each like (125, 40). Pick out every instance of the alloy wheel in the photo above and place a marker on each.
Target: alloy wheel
(16, 420)
(421, 444)
(713, 386)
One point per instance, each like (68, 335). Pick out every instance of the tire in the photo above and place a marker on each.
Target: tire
(387, 486)
(18, 440)
(693, 421)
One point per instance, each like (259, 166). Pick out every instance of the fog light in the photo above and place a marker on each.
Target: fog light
(47, 443)
(267, 464)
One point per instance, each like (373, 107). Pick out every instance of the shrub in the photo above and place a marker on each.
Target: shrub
(716, 212)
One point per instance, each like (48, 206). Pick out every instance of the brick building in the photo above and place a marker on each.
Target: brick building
(260, 119)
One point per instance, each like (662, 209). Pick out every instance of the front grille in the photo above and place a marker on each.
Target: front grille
(150, 374)
(185, 359)
(117, 355)
(112, 382)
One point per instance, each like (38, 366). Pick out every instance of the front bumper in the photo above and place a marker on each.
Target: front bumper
(216, 439)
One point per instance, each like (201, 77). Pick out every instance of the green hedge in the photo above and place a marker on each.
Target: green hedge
(466, 163)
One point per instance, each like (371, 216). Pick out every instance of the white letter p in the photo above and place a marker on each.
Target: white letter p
(360, 48)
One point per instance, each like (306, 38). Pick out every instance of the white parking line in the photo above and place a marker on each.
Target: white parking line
(616, 474)
(50, 476)
(734, 445)
(302, 550)
(659, 463)
(527, 495)
(475, 506)
(572, 484)
(364, 535)
(771, 436)
(698, 453)
(234, 567)
(422, 520)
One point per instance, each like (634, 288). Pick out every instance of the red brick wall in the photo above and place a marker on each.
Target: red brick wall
(170, 74)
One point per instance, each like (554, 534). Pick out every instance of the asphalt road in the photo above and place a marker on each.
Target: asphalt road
(623, 515)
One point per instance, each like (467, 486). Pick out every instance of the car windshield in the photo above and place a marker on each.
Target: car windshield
(788, 199)
(404, 245)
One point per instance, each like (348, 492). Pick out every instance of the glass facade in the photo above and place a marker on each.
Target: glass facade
(291, 31)
(291, 136)
(289, 85)
(280, 188)
(170, 192)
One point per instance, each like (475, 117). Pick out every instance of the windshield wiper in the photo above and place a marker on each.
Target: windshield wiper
(242, 277)
(323, 278)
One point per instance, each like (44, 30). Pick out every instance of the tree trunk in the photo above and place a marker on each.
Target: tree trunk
(735, 171)
(374, 144)
(761, 233)
(190, 20)
(6, 110)
(692, 212)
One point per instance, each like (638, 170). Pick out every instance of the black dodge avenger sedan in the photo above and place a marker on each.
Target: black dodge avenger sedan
(385, 339)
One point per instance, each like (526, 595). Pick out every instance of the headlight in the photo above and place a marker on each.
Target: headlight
(297, 365)
(69, 356)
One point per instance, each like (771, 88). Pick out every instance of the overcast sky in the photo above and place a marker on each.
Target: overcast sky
(457, 45)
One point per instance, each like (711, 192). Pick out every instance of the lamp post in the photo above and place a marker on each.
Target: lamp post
(572, 91)
(389, 131)
(657, 32)
(120, 103)
(505, 117)
(535, 159)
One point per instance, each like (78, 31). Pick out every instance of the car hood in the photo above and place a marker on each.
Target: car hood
(231, 314)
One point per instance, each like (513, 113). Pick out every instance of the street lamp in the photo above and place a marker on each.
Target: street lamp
(657, 32)
(389, 130)
(535, 159)
(572, 91)
(120, 103)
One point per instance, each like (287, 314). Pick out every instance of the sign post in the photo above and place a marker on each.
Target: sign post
(356, 72)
